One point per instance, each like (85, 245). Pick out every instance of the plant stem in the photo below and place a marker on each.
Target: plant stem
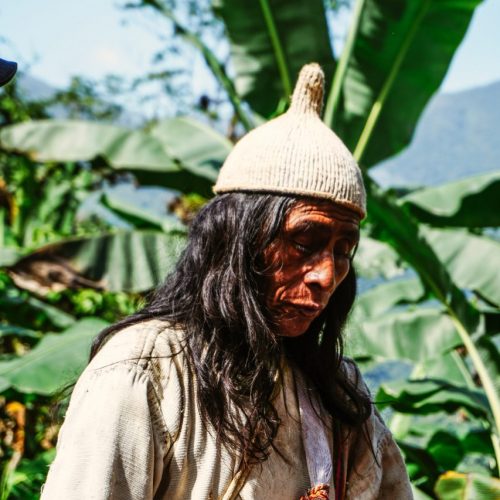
(482, 371)
(338, 78)
(211, 60)
(403, 231)
(277, 47)
(378, 105)
(2, 227)
(486, 381)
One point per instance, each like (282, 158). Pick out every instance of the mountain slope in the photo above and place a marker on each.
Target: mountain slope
(457, 136)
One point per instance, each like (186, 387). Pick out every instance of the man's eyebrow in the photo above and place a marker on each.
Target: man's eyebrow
(352, 234)
(306, 225)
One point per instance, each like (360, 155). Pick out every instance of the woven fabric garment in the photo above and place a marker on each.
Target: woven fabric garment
(133, 431)
(296, 153)
(317, 444)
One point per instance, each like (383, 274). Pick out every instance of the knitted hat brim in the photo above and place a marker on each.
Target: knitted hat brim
(293, 192)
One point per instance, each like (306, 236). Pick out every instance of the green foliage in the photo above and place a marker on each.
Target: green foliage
(426, 396)
(434, 306)
(388, 295)
(467, 486)
(270, 42)
(25, 482)
(82, 99)
(471, 260)
(56, 361)
(105, 305)
(375, 258)
(154, 156)
(416, 335)
(399, 58)
(129, 261)
(20, 308)
(471, 202)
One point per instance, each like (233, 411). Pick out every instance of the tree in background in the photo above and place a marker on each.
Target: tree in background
(435, 311)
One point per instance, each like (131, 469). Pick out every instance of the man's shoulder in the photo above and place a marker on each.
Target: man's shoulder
(139, 344)
(353, 374)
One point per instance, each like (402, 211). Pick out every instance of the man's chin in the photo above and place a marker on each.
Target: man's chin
(294, 328)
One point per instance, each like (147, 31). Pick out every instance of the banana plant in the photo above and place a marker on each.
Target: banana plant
(394, 59)
(155, 156)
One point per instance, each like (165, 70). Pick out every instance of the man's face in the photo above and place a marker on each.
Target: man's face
(308, 262)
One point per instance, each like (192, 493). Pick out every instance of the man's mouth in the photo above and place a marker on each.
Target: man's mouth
(309, 310)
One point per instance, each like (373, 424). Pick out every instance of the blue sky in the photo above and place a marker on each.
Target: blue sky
(56, 39)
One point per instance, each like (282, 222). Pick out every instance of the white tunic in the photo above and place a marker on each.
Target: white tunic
(133, 431)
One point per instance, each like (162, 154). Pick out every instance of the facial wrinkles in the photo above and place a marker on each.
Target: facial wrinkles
(303, 278)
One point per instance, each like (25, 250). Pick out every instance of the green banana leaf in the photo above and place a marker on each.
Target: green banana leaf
(394, 226)
(414, 335)
(375, 258)
(397, 61)
(387, 295)
(446, 449)
(270, 41)
(56, 361)
(437, 450)
(450, 367)
(9, 255)
(420, 464)
(199, 148)
(418, 494)
(471, 260)
(17, 331)
(456, 485)
(140, 217)
(472, 434)
(130, 261)
(16, 304)
(470, 202)
(144, 153)
(430, 396)
(490, 355)
(73, 140)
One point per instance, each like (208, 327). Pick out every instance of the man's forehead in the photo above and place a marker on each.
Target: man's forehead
(321, 212)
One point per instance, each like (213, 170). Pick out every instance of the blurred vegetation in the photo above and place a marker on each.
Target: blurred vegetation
(431, 294)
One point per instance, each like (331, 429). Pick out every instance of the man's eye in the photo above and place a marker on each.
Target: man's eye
(345, 249)
(302, 248)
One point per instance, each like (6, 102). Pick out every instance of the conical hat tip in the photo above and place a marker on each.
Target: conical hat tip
(308, 93)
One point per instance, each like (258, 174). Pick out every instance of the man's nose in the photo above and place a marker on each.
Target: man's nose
(322, 272)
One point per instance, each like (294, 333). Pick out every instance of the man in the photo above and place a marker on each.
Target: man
(7, 71)
(230, 383)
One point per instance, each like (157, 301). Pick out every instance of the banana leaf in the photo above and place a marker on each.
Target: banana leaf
(471, 260)
(375, 258)
(396, 62)
(130, 261)
(453, 485)
(387, 295)
(56, 361)
(425, 396)
(270, 40)
(470, 202)
(144, 153)
(414, 335)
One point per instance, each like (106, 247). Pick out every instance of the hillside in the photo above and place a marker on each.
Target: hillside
(457, 136)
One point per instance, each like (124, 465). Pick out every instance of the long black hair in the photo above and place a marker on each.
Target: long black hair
(216, 294)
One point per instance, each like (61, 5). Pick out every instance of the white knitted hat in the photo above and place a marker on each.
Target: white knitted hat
(296, 153)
